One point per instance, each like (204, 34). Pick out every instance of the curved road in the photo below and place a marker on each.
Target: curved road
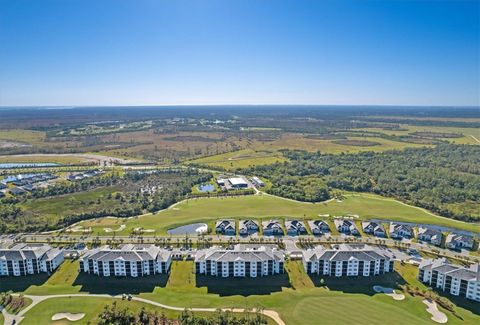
(9, 318)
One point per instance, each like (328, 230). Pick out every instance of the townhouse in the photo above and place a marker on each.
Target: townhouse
(295, 228)
(374, 228)
(127, 260)
(243, 261)
(430, 235)
(347, 260)
(24, 259)
(272, 228)
(319, 227)
(248, 227)
(400, 230)
(347, 227)
(458, 242)
(454, 279)
(226, 227)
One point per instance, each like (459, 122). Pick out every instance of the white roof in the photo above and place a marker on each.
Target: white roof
(237, 181)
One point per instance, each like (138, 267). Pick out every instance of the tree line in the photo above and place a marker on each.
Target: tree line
(444, 179)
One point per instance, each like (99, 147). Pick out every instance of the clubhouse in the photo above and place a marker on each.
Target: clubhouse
(347, 260)
(127, 260)
(25, 259)
(242, 261)
(454, 279)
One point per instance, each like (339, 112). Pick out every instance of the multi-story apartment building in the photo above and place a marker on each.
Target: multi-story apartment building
(24, 259)
(347, 260)
(454, 279)
(243, 261)
(127, 260)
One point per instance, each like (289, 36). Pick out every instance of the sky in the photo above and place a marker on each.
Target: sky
(146, 52)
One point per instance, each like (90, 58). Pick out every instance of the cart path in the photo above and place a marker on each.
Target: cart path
(9, 318)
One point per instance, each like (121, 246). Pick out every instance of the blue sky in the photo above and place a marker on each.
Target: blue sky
(118, 52)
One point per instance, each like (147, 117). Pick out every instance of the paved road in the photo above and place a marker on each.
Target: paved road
(38, 299)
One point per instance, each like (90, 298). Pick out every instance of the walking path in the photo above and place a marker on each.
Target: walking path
(475, 138)
(9, 318)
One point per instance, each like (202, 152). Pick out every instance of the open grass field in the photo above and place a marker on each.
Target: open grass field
(240, 159)
(42, 313)
(265, 153)
(406, 129)
(64, 160)
(54, 208)
(297, 297)
(266, 206)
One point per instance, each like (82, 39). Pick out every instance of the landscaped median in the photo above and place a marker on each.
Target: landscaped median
(295, 296)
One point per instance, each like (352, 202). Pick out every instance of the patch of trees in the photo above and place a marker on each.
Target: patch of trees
(112, 314)
(142, 192)
(433, 178)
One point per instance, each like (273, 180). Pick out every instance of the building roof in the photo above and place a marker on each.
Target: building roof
(237, 181)
(452, 237)
(442, 265)
(248, 223)
(428, 232)
(396, 227)
(240, 253)
(128, 252)
(271, 224)
(225, 224)
(345, 252)
(20, 252)
(294, 224)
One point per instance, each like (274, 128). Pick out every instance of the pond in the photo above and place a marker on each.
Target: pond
(26, 165)
(204, 188)
(190, 229)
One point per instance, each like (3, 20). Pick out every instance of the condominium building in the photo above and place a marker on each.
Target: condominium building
(347, 260)
(243, 261)
(127, 260)
(24, 259)
(454, 279)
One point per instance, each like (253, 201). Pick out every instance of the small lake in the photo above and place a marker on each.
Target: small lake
(191, 229)
(26, 165)
(204, 188)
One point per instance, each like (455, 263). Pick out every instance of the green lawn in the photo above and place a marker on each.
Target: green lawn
(298, 298)
(264, 206)
(91, 307)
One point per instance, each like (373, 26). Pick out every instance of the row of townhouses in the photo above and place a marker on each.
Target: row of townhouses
(396, 230)
(243, 261)
(127, 260)
(454, 279)
(347, 260)
(270, 227)
(24, 259)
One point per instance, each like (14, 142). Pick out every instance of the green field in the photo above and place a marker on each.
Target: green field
(240, 159)
(54, 208)
(297, 297)
(265, 206)
(42, 313)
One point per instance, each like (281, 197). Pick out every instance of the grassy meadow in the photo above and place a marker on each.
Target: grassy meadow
(54, 208)
(265, 206)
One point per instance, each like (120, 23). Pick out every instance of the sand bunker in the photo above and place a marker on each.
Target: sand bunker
(122, 227)
(389, 292)
(432, 309)
(68, 316)
(79, 229)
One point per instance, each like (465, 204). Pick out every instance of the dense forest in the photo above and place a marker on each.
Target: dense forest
(444, 179)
